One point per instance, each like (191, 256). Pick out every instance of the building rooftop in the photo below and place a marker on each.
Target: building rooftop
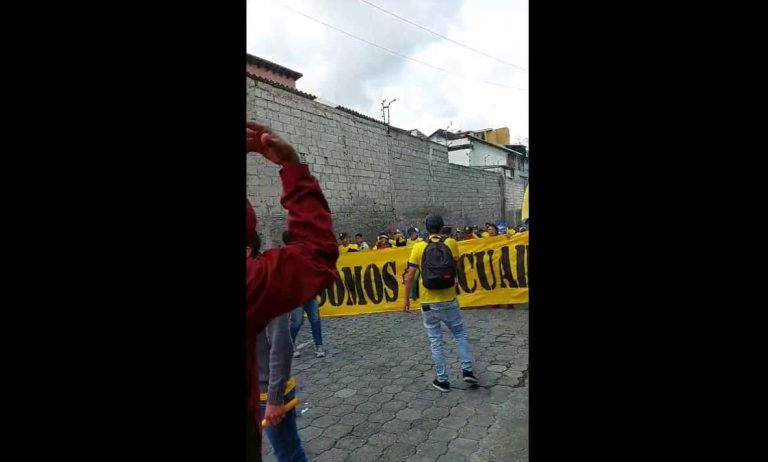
(469, 135)
(261, 62)
(281, 86)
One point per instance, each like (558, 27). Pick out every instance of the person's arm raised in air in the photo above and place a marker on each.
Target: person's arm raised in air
(310, 257)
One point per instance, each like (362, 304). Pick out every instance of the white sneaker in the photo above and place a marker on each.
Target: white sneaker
(319, 352)
(296, 353)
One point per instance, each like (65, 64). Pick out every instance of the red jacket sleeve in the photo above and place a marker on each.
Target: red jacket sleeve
(282, 279)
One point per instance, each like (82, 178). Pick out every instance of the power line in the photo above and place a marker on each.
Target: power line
(443, 36)
(399, 54)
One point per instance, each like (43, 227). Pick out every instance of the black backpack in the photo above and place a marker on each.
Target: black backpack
(438, 270)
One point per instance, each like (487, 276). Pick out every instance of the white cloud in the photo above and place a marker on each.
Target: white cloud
(343, 70)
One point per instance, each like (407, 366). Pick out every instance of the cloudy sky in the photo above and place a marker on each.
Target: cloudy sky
(346, 71)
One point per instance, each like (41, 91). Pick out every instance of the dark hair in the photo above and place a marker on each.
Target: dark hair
(359, 235)
(434, 223)
(494, 226)
(343, 236)
(446, 230)
(286, 237)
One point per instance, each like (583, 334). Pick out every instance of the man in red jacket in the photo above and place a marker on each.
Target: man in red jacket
(271, 279)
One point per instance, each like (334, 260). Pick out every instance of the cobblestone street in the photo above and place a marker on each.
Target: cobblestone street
(371, 398)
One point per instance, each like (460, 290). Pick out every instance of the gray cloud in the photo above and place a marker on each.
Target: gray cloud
(345, 71)
(358, 69)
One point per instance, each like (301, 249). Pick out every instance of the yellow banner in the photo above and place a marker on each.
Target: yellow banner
(491, 271)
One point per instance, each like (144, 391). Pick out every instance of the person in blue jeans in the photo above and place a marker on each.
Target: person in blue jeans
(297, 319)
(447, 313)
(284, 437)
(277, 387)
(439, 305)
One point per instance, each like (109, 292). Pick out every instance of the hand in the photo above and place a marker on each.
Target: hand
(261, 139)
(274, 414)
(407, 304)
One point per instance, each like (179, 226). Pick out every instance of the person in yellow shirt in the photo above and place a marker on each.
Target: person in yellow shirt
(439, 305)
(413, 236)
(491, 230)
(400, 240)
(345, 246)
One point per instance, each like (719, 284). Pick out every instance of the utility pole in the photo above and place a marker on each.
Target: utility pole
(385, 112)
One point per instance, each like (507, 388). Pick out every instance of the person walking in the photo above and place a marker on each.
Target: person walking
(436, 259)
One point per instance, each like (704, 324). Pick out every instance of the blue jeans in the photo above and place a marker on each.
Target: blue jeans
(313, 313)
(450, 314)
(284, 438)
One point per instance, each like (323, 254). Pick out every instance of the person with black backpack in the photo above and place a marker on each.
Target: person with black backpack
(436, 260)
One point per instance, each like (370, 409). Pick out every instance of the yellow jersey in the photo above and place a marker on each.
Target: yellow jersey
(427, 296)
(411, 242)
(348, 248)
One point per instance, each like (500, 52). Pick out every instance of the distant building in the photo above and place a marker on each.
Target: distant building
(466, 148)
(496, 136)
(268, 70)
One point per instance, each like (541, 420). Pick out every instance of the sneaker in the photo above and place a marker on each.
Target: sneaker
(469, 377)
(319, 352)
(445, 387)
(296, 353)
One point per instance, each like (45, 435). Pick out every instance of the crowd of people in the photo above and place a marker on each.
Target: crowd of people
(276, 303)
(395, 239)
(383, 241)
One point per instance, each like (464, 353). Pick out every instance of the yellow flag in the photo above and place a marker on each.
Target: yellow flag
(525, 205)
